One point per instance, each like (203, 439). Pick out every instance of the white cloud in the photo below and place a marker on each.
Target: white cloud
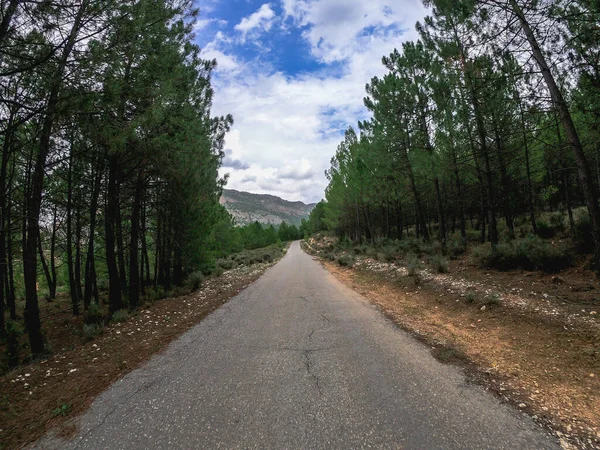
(287, 128)
(201, 24)
(263, 19)
(335, 27)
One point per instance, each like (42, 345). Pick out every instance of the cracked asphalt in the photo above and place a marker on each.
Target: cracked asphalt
(298, 361)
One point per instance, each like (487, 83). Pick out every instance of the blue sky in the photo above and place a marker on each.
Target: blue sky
(292, 73)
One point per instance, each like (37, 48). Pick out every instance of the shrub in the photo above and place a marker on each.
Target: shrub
(329, 256)
(62, 410)
(470, 296)
(102, 284)
(91, 330)
(225, 264)
(361, 249)
(346, 261)
(94, 315)
(552, 225)
(120, 316)
(195, 280)
(438, 263)
(14, 330)
(412, 264)
(492, 299)
(456, 247)
(473, 236)
(545, 256)
(583, 233)
(389, 253)
(409, 246)
(530, 253)
(545, 231)
(218, 272)
(557, 222)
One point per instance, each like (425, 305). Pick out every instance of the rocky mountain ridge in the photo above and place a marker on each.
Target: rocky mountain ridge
(246, 208)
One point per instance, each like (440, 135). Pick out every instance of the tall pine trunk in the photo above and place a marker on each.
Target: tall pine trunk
(34, 200)
(585, 175)
(134, 274)
(90, 271)
(115, 298)
(70, 264)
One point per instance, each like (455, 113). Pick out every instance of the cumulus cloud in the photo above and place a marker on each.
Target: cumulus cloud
(201, 24)
(287, 126)
(263, 19)
(299, 171)
(230, 162)
(338, 28)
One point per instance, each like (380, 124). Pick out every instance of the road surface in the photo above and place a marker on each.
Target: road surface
(299, 361)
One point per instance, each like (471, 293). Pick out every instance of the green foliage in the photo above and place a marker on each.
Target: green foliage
(470, 297)
(492, 299)
(583, 233)
(288, 232)
(14, 331)
(346, 260)
(225, 263)
(91, 330)
(62, 410)
(439, 264)
(94, 315)
(552, 227)
(460, 139)
(412, 263)
(195, 280)
(456, 247)
(256, 236)
(531, 253)
(120, 316)
(315, 222)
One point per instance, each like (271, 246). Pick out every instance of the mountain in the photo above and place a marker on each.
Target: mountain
(267, 209)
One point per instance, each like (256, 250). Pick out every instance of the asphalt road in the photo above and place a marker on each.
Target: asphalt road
(299, 361)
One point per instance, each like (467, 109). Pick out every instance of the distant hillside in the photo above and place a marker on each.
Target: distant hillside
(268, 209)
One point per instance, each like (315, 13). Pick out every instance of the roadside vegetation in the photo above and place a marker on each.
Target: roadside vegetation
(471, 142)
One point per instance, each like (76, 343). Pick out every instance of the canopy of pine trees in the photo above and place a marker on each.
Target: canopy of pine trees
(489, 119)
(109, 152)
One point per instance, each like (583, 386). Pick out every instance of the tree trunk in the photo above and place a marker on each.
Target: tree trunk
(71, 271)
(436, 182)
(506, 184)
(119, 236)
(78, 229)
(420, 219)
(145, 257)
(6, 20)
(34, 201)
(134, 274)
(585, 176)
(530, 203)
(90, 271)
(115, 298)
(10, 285)
(461, 202)
(46, 270)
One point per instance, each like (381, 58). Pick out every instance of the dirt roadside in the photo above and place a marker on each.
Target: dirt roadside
(47, 394)
(541, 357)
